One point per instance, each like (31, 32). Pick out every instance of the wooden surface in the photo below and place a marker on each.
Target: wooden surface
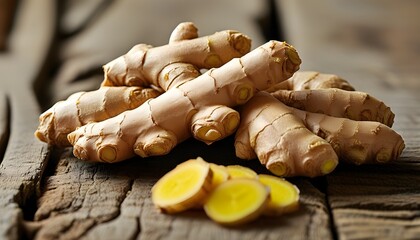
(46, 193)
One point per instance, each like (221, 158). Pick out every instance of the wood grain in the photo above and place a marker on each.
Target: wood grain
(48, 194)
(101, 201)
(25, 158)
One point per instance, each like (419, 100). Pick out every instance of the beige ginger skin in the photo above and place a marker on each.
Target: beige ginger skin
(357, 142)
(335, 102)
(352, 123)
(85, 107)
(303, 80)
(154, 128)
(145, 65)
(270, 131)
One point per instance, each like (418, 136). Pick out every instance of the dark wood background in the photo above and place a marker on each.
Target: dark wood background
(50, 49)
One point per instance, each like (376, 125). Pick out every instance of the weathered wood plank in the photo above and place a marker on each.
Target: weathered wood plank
(101, 201)
(25, 158)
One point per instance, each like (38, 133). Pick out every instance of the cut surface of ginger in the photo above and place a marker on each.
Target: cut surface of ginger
(284, 196)
(185, 187)
(237, 201)
(220, 174)
(238, 171)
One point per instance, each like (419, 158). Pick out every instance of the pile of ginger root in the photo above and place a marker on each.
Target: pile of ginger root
(152, 98)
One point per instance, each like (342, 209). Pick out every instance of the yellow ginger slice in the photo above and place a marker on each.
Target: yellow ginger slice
(238, 171)
(237, 201)
(220, 175)
(185, 187)
(284, 196)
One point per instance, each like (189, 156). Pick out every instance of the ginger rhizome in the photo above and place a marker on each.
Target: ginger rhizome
(85, 107)
(176, 67)
(356, 142)
(270, 131)
(333, 124)
(144, 65)
(153, 98)
(304, 80)
(234, 200)
(155, 128)
(335, 102)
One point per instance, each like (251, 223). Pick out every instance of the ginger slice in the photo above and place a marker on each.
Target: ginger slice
(220, 175)
(237, 201)
(185, 187)
(238, 171)
(284, 196)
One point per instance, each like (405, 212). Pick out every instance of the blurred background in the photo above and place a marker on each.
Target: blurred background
(334, 36)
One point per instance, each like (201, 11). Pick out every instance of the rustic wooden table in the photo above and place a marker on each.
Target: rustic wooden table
(52, 51)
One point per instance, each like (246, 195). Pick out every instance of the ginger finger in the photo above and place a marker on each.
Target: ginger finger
(354, 105)
(357, 142)
(257, 70)
(237, 201)
(280, 140)
(184, 187)
(84, 107)
(179, 72)
(184, 31)
(142, 65)
(214, 123)
(304, 80)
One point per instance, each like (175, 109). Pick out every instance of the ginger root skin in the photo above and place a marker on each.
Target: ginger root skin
(359, 106)
(154, 128)
(269, 131)
(305, 80)
(95, 106)
(85, 107)
(357, 142)
(143, 64)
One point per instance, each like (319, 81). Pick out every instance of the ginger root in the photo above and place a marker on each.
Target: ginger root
(145, 65)
(154, 128)
(85, 107)
(357, 142)
(269, 130)
(351, 124)
(304, 80)
(82, 108)
(358, 106)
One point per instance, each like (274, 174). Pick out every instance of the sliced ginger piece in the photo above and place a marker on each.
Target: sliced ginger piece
(237, 201)
(238, 171)
(284, 196)
(220, 175)
(185, 187)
